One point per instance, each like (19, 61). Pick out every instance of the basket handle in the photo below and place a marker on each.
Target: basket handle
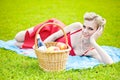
(66, 39)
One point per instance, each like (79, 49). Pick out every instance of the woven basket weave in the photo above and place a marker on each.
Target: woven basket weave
(55, 60)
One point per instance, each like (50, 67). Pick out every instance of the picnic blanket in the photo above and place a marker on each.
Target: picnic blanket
(74, 62)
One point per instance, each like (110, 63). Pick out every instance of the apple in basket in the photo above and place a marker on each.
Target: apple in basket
(53, 48)
(61, 45)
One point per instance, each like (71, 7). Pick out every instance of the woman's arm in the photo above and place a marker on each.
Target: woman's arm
(103, 54)
(67, 29)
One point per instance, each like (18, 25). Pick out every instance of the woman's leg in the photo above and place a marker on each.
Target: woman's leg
(19, 44)
(20, 36)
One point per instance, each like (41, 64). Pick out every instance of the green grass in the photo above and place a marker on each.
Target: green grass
(17, 15)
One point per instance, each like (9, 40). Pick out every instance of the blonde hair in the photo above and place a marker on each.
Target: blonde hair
(97, 18)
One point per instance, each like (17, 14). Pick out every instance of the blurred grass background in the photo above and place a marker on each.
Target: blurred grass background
(17, 15)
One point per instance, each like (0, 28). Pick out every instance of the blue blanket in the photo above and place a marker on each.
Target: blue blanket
(74, 62)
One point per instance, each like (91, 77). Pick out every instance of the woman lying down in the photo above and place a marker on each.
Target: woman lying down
(81, 37)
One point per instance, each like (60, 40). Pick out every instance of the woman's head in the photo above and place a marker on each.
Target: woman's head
(92, 22)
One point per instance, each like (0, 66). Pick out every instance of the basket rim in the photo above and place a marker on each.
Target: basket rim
(60, 51)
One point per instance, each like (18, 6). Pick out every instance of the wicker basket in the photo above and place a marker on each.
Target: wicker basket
(52, 61)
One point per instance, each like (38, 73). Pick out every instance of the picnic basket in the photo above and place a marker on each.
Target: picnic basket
(55, 60)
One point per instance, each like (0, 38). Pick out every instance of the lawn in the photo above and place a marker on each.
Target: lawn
(17, 15)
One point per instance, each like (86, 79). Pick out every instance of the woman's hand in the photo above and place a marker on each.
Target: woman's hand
(97, 34)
